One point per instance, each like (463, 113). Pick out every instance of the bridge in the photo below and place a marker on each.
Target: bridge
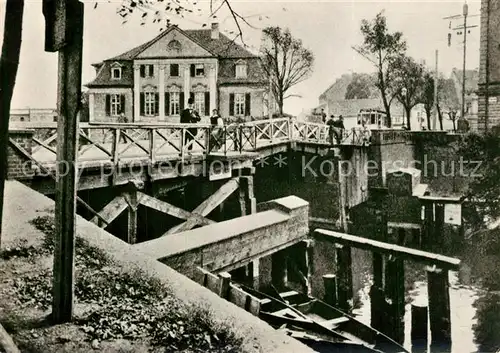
(155, 187)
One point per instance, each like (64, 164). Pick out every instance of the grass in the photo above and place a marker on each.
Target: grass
(114, 306)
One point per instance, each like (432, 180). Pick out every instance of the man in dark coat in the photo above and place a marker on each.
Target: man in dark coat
(190, 116)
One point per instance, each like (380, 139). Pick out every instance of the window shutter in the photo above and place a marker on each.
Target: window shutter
(181, 101)
(247, 104)
(142, 104)
(191, 95)
(157, 104)
(174, 70)
(151, 70)
(231, 104)
(192, 69)
(122, 105)
(207, 103)
(108, 105)
(143, 71)
(167, 104)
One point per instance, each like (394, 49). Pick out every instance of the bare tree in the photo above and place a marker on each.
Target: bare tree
(381, 47)
(285, 61)
(408, 83)
(448, 101)
(9, 63)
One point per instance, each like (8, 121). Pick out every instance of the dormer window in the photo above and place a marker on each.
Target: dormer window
(116, 71)
(241, 70)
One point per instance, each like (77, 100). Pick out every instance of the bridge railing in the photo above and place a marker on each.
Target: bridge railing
(114, 142)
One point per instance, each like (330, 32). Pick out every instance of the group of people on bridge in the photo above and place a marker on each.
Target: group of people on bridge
(336, 128)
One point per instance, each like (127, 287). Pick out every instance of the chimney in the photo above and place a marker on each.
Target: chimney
(215, 31)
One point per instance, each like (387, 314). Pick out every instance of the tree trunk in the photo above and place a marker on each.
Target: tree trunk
(9, 63)
(440, 117)
(382, 89)
(280, 103)
(428, 114)
(408, 118)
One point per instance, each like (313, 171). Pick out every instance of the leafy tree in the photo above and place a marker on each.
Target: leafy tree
(427, 97)
(448, 101)
(407, 83)
(285, 61)
(483, 191)
(360, 87)
(381, 47)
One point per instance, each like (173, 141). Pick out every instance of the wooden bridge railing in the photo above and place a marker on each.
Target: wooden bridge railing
(114, 143)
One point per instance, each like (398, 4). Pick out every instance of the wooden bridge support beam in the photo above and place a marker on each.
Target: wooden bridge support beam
(133, 204)
(428, 226)
(248, 205)
(439, 306)
(395, 297)
(344, 275)
(419, 328)
(309, 261)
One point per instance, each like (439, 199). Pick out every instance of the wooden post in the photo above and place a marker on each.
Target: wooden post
(132, 217)
(419, 327)
(225, 281)
(69, 102)
(438, 238)
(330, 284)
(428, 229)
(248, 205)
(279, 269)
(439, 305)
(344, 274)
(395, 295)
(309, 263)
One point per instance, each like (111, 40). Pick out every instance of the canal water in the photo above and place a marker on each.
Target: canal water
(474, 294)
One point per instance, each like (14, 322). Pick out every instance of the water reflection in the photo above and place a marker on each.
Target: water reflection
(474, 297)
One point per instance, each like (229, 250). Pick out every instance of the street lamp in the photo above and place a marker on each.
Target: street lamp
(403, 94)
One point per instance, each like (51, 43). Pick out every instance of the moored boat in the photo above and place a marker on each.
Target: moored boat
(320, 326)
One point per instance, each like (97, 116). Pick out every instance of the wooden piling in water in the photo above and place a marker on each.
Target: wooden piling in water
(419, 327)
(439, 305)
(394, 294)
(330, 284)
(428, 228)
(344, 276)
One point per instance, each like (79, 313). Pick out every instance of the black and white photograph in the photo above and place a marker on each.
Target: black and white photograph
(238, 176)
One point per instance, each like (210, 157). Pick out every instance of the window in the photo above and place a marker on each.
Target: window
(174, 70)
(239, 104)
(147, 70)
(199, 102)
(116, 104)
(241, 70)
(116, 73)
(199, 70)
(149, 104)
(174, 103)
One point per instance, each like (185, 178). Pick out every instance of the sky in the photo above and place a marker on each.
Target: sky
(328, 28)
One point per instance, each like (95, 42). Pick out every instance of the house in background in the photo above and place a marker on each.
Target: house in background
(153, 82)
(471, 97)
(38, 115)
(333, 101)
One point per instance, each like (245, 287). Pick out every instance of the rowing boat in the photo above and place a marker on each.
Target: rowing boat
(322, 327)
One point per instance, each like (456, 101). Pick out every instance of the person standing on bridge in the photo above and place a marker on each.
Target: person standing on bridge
(122, 119)
(217, 132)
(190, 116)
(341, 126)
(331, 128)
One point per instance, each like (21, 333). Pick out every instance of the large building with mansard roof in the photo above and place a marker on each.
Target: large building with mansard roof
(153, 82)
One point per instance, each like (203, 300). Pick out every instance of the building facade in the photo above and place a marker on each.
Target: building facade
(153, 82)
(489, 91)
(38, 115)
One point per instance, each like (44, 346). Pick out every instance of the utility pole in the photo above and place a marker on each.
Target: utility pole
(436, 78)
(465, 13)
